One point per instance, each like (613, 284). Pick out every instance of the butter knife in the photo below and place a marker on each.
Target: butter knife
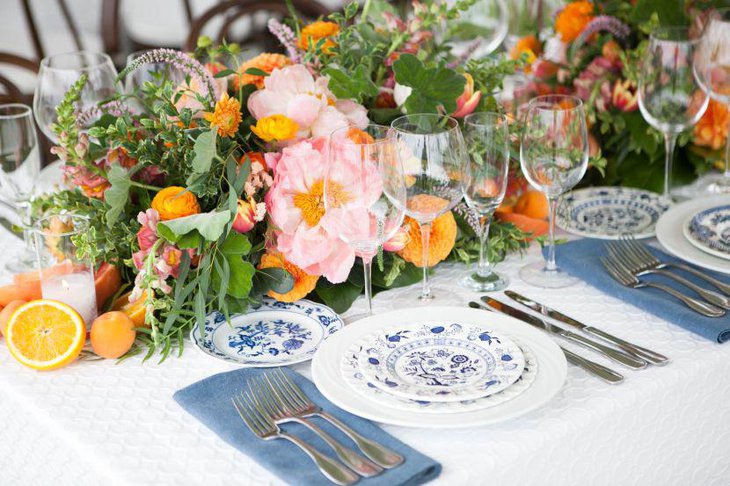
(613, 354)
(643, 353)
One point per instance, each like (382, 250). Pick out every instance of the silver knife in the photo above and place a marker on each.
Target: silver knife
(613, 354)
(603, 372)
(643, 353)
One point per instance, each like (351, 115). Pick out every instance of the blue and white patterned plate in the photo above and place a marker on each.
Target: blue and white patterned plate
(440, 363)
(608, 212)
(709, 230)
(272, 334)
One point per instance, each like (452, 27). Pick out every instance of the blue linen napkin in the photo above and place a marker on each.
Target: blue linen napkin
(209, 401)
(580, 258)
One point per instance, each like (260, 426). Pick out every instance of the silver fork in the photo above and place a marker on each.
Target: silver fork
(280, 413)
(638, 267)
(264, 428)
(624, 277)
(652, 262)
(298, 402)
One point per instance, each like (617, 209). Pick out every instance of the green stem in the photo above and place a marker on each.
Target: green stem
(145, 186)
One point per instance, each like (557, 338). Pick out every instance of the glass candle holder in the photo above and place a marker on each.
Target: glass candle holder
(65, 275)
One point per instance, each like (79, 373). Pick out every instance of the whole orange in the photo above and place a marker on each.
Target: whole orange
(112, 334)
(532, 204)
(7, 312)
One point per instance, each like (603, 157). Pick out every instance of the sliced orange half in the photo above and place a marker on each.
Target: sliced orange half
(45, 334)
(135, 310)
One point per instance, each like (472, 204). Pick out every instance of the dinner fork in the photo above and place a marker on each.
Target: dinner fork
(298, 402)
(279, 413)
(263, 427)
(650, 261)
(637, 268)
(624, 277)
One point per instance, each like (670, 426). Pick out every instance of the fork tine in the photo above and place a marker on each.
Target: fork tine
(614, 270)
(289, 389)
(240, 408)
(279, 397)
(259, 393)
(261, 415)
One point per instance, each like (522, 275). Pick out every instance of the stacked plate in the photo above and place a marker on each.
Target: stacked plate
(439, 367)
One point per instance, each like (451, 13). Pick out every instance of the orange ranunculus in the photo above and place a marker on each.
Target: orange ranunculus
(253, 157)
(711, 130)
(571, 21)
(360, 137)
(266, 62)
(175, 202)
(530, 45)
(303, 282)
(316, 31)
(226, 116)
(443, 237)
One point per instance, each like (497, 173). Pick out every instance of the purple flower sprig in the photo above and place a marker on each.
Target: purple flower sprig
(604, 23)
(287, 38)
(469, 216)
(470, 49)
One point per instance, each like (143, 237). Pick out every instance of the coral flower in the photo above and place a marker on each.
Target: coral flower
(625, 96)
(303, 282)
(266, 62)
(226, 116)
(530, 45)
(469, 99)
(275, 128)
(711, 131)
(316, 31)
(443, 238)
(571, 21)
(175, 202)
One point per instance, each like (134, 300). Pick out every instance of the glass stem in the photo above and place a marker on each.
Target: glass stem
(24, 213)
(726, 174)
(550, 264)
(367, 266)
(670, 140)
(425, 241)
(484, 267)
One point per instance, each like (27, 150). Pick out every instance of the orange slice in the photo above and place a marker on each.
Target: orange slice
(135, 310)
(45, 334)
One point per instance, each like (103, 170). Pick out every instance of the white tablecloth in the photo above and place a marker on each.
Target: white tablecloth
(105, 423)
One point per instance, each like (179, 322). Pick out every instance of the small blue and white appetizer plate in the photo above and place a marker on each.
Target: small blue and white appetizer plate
(271, 334)
(440, 362)
(608, 212)
(709, 230)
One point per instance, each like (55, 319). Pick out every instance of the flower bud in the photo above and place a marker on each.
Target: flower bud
(245, 216)
(398, 241)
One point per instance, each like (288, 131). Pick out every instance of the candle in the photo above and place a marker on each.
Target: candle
(74, 289)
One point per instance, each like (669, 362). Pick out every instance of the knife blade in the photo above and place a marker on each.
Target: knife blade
(603, 372)
(612, 354)
(633, 349)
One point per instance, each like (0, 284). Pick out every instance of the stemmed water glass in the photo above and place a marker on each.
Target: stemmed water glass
(670, 98)
(20, 163)
(364, 192)
(57, 74)
(485, 183)
(712, 69)
(432, 152)
(554, 158)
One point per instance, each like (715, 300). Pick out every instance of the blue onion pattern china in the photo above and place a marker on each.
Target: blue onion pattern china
(271, 334)
(609, 212)
(709, 230)
(440, 362)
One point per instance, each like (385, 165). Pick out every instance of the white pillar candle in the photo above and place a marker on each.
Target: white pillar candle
(74, 289)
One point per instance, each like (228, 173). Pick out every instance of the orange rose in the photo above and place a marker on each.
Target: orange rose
(266, 62)
(571, 21)
(303, 282)
(175, 202)
(711, 130)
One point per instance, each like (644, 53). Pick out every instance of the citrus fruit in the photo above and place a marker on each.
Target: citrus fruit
(112, 334)
(534, 227)
(532, 204)
(107, 280)
(45, 334)
(7, 312)
(30, 290)
(135, 310)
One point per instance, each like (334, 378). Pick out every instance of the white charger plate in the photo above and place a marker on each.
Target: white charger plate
(670, 233)
(708, 230)
(552, 369)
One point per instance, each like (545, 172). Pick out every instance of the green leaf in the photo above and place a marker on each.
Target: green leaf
(355, 86)
(241, 277)
(116, 196)
(431, 87)
(205, 151)
(209, 225)
(224, 73)
(276, 279)
(340, 297)
(236, 244)
(256, 72)
(670, 12)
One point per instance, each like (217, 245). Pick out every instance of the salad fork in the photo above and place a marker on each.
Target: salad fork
(263, 427)
(622, 275)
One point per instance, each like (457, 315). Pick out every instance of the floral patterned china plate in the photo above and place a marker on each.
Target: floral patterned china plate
(709, 230)
(440, 362)
(608, 212)
(272, 334)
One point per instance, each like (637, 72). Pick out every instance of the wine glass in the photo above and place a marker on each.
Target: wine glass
(478, 31)
(670, 98)
(712, 69)
(364, 192)
(432, 152)
(554, 158)
(20, 163)
(57, 74)
(485, 183)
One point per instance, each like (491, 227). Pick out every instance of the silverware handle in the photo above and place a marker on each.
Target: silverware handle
(606, 374)
(361, 465)
(377, 453)
(709, 295)
(646, 354)
(614, 354)
(332, 469)
(724, 288)
(696, 305)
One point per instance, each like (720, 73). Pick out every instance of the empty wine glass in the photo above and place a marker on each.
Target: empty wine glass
(57, 74)
(670, 98)
(432, 152)
(554, 158)
(364, 192)
(485, 183)
(20, 163)
(712, 69)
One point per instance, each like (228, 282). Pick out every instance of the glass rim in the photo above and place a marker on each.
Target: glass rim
(38, 229)
(478, 114)
(450, 120)
(25, 110)
(101, 57)
(376, 141)
(534, 103)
